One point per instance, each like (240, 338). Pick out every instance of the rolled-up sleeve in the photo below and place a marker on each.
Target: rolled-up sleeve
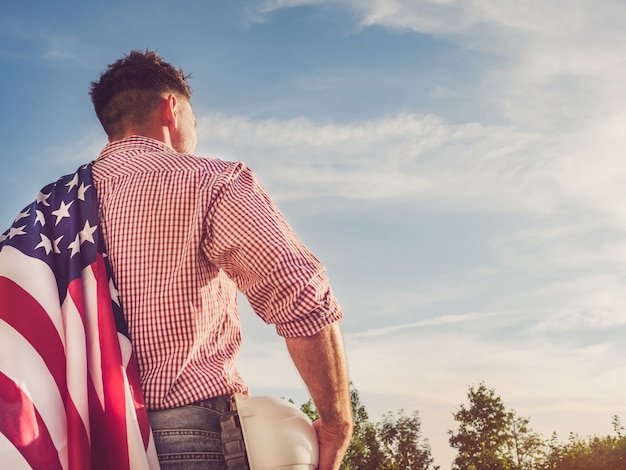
(249, 239)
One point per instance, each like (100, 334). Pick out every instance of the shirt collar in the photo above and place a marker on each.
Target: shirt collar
(134, 142)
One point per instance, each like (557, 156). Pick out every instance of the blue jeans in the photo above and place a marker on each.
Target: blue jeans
(189, 437)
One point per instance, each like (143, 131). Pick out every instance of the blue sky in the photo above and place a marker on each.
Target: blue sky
(457, 165)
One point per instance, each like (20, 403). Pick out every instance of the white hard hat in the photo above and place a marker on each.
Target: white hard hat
(277, 434)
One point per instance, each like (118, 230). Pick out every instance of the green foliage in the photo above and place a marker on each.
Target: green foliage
(395, 443)
(592, 453)
(491, 438)
(308, 409)
(525, 447)
(365, 451)
(483, 431)
(401, 439)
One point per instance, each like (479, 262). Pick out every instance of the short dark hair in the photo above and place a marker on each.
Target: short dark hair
(129, 89)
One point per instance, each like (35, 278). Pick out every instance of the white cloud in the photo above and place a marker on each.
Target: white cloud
(560, 62)
(556, 163)
(59, 47)
(85, 149)
(436, 321)
(554, 281)
(565, 251)
(409, 156)
(557, 82)
(50, 45)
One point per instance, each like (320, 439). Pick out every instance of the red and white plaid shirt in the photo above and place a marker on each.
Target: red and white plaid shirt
(183, 234)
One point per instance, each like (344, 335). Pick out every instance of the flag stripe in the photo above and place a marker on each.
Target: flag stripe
(69, 388)
(11, 457)
(115, 391)
(44, 338)
(108, 375)
(36, 278)
(136, 395)
(31, 373)
(135, 438)
(28, 432)
(78, 421)
(43, 360)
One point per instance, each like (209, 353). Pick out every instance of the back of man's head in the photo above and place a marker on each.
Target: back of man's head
(130, 88)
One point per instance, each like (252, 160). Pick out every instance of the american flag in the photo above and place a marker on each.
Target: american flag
(69, 387)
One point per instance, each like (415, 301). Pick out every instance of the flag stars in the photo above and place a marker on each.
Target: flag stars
(82, 190)
(45, 243)
(22, 215)
(55, 245)
(62, 212)
(49, 245)
(39, 217)
(73, 182)
(42, 198)
(115, 295)
(86, 234)
(74, 246)
(14, 231)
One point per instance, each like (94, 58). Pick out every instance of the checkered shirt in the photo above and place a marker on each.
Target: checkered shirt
(184, 234)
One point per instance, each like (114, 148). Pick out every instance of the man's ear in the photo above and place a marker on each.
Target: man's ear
(169, 111)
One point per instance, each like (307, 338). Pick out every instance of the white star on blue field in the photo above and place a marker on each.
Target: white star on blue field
(456, 165)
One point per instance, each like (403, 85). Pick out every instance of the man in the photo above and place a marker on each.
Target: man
(185, 233)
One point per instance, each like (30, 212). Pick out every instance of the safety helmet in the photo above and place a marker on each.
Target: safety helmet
(277, 435)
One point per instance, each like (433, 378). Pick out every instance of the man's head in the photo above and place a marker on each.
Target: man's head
(132, 89)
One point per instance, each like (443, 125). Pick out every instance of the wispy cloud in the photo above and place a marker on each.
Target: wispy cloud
(85, 149)
(429, 370)
(59, 47)
(49, 45)
(564, 253)
(560, 62)
(419, 157)
(436, 321)
(554, 161)
(552, 296)
(558, 92)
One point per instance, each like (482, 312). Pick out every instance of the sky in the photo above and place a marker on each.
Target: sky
(456, 164)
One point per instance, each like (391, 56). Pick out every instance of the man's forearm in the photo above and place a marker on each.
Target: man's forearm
(321, 361)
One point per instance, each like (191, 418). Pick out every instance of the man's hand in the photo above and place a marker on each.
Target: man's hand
(332, 446)
(320, 359)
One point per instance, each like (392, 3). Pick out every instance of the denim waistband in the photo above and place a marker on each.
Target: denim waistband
(222, 403)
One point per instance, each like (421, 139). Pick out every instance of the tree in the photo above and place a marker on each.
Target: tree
(308, 409)
(525, 447)
(594, 453)
(401, 438)
(491, 438)
(365, 452)
(393, 444)
(483, 432)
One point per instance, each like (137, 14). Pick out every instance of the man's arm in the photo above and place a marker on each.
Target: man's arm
(320, 359)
